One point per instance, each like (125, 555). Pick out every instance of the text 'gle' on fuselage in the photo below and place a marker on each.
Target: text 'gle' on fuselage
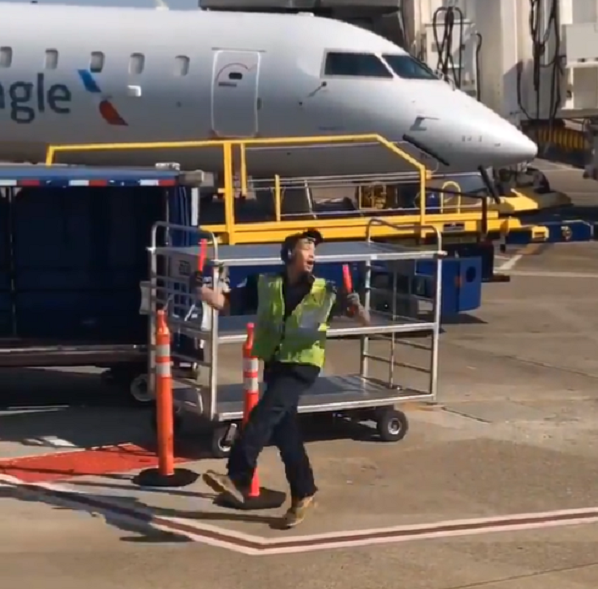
(24, 101)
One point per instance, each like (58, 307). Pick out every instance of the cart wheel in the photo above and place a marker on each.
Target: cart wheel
(177, 420)
(392, 425)
(222, 440)
(139, 390)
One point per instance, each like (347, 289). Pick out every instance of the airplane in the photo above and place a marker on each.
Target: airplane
(79, 74)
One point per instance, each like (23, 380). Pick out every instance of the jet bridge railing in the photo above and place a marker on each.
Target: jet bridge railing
(289, 143)
(327, 197)
(236, 167)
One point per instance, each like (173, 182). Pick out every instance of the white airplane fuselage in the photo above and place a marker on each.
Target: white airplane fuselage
(73, 75)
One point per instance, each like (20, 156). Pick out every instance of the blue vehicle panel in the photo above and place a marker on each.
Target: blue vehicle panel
(79, 255)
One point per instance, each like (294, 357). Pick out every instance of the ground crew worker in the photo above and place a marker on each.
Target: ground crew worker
(293, 312)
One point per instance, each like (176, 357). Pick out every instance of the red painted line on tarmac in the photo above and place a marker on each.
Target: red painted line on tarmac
(92, 462)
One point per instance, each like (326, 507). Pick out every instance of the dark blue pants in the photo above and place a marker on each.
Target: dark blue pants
(274, 419)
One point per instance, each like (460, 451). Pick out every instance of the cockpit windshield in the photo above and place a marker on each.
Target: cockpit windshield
(363, 65)
(407, 67)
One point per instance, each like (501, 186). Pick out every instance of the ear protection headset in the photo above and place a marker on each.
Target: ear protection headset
(286, 251)
(288, 245)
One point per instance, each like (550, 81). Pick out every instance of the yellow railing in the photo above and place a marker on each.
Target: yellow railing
(228, 147)
(451, 185)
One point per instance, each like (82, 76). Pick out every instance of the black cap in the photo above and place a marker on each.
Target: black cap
(288, 245)
(312, 234)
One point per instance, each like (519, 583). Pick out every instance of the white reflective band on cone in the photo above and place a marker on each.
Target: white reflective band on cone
(251, 384)
(163, 351)
(163, 369)
(250, 364)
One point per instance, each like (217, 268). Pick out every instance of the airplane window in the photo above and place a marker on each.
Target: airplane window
(5, 56)
(409, 68)
(181, 65)
(96, 63)
(51, 59)
(235, 76)
(355, 65)
(136, 63)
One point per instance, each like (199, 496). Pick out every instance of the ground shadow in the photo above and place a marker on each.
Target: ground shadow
(462, 319)
(272, 520)
(129, 514)
(138, 520)
(24, 388)
(48, 408)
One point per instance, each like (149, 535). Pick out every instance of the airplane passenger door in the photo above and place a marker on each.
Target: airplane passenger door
(235, 83)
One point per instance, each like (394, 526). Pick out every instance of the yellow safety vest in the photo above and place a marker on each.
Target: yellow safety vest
(301, 338)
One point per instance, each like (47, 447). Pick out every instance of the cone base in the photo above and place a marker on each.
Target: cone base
(151, 477)
(267, 499)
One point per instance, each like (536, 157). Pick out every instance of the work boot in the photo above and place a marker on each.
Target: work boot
(297, 511)
(223, 484)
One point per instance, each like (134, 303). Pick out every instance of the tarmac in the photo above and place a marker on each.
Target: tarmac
(493, 486)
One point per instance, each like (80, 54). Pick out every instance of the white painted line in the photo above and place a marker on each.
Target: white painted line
(358, 543)
(256, 545)
(56, 442)
(561, 170)
(486, 521)
(48, 442)
(510, 263)
(18, 409)
(142, 521)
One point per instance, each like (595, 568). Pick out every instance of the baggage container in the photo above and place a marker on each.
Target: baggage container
(73, 250)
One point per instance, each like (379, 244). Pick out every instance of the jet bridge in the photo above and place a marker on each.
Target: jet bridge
(535, 62)
(384, 17)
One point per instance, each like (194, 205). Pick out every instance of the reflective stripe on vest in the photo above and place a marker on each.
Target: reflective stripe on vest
(302, 337)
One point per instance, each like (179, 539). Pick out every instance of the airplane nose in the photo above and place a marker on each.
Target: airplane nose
(515, 147)
(500, 143)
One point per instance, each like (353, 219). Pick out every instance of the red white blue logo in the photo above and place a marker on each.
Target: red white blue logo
(106, 108)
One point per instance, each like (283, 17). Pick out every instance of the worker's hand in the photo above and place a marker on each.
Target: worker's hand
(205, 294)
(353, 301)
(196, 280)
(356, 309)
(213, 298)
